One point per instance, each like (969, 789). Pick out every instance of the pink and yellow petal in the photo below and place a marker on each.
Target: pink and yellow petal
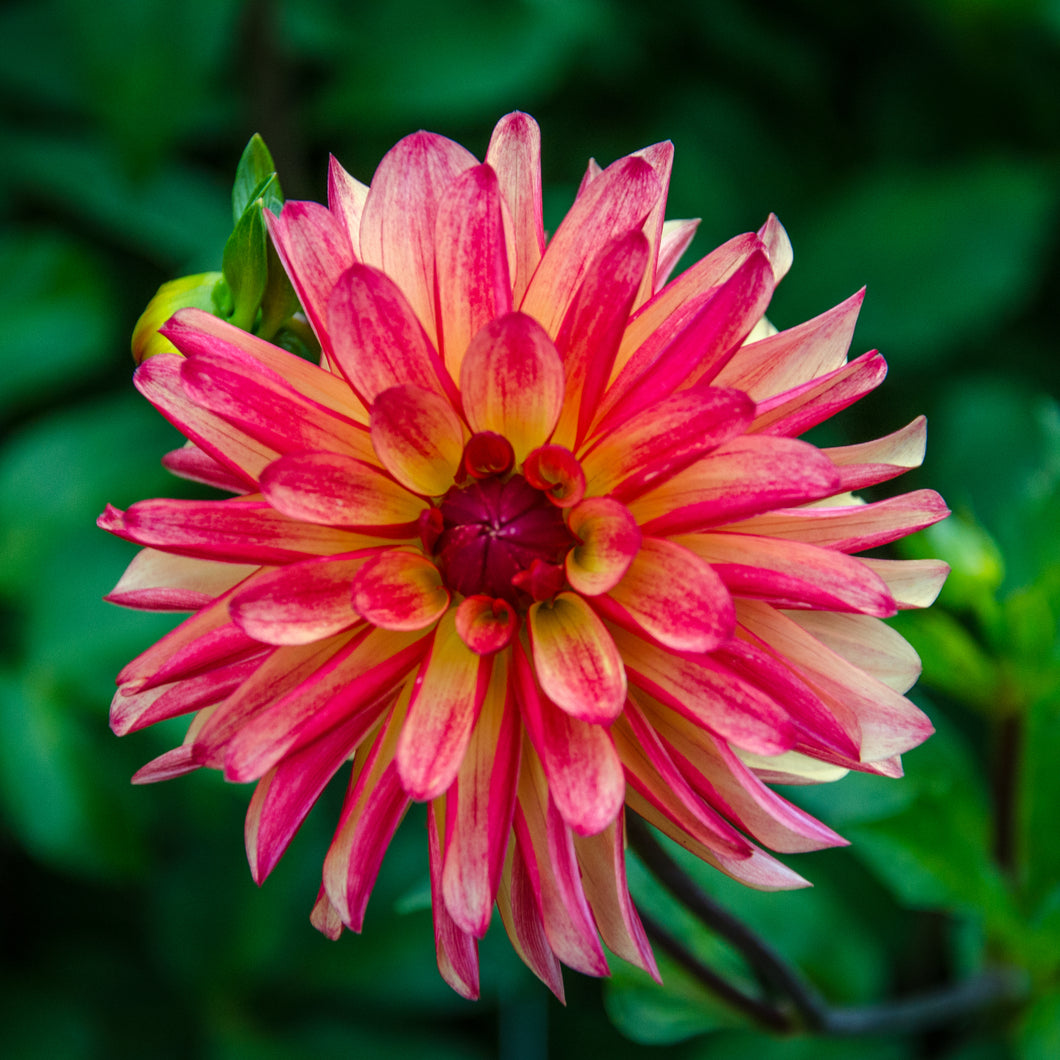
(418, 438)
(334, 489)
(446, 699)
(576, 660)
(472, 262)
(511, 381)
(397, 230)
(514, 152)
(675, 597)
(608, 540)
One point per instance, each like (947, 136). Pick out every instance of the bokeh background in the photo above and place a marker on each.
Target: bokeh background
(910, 146)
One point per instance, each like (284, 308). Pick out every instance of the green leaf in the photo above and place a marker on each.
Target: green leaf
(279, 303)
(954, 662)
(1039, 797)
(245, 265)
(1038, 1037)
(936, 853)
(253, 172)
(946, 252)
(660, 1015)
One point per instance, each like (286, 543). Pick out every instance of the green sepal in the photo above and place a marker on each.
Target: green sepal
(279, 302)
(245, 262)
(254, 169)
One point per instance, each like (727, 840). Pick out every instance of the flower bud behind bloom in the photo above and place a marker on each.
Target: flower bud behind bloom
(189, 291)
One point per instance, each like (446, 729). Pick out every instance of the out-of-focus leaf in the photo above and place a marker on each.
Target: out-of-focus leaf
(945, 252)
(177, 218)
(1007, 470)
(58, 473)
(79, 568)
(954, 662)
(739, 1045)
(977, 567)
(50, 796)
(1038, 1037)
(423, 63)
(144, 101)
(936, 854)
(1039, 797)
(660, 1015)
(58, 319)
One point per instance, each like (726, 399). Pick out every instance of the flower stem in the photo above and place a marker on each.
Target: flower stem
(802, 1006)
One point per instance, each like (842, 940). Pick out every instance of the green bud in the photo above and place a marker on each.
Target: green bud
(188, 291)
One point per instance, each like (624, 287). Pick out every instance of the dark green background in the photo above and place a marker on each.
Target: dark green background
(913, 147)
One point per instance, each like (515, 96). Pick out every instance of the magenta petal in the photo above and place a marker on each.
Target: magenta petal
(374, 807)
(233, 531)
(479, 808)
(693, 345)
(515, 154)
(797, 410)
(418, 438)
(456, 948)
(652, 772)
(130, 711)
(315, 250)
(175, 763)
(747, 475)
(709, 695)
(675, 240)
(264, 405)
(873, 462)
(159, 380)
(346, 199)
(852, 527)
(302, 602)
(400, 590)
(795, 356)
(602, 860)
(584, 773)
(472, 262)
(590, 335)
(660, 157)
(676, 597)
(486, 625)
(520, 909)
(616, 202)
(608, 539)
(286, 794)
(359, 680)
(377, 340)
(664, 439)
(337, 490)
(398, 222)
(792, 574)
(548, 847)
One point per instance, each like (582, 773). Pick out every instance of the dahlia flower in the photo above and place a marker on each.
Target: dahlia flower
(534, 544)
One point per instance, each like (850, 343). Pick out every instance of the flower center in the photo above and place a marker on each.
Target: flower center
(501, 537)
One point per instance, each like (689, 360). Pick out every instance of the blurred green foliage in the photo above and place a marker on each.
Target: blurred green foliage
(910, 146)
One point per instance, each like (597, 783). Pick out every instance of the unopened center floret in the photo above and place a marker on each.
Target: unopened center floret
(492, 531)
